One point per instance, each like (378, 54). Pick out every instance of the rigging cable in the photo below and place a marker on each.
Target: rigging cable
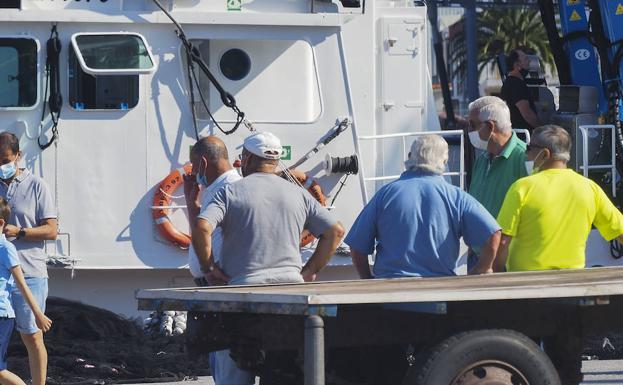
(193, 57)
(52, 83)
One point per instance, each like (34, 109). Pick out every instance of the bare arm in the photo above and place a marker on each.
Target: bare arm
(202, 242)
(487, 255)
(327, 243)
(500, 261)
(526, 112)
(360, 260)
(47, 230)
(43, 322)
(191, 195)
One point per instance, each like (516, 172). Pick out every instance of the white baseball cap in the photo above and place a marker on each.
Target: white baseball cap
(264, 144)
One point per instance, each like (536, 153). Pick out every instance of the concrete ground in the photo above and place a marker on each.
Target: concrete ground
(595, 373)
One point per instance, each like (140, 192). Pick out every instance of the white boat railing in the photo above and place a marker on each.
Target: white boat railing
(404, 135)
(586, 166)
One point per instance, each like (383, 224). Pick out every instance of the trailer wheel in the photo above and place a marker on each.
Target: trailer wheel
(484, 357)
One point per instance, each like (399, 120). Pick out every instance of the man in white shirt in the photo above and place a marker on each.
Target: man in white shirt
(211, 171)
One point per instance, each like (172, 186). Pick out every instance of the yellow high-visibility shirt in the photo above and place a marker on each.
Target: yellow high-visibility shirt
(549, 215)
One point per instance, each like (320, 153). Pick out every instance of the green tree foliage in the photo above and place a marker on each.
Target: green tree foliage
(501, 30)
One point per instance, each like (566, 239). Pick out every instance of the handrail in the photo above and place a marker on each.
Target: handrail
(404, 135)
(585, 162)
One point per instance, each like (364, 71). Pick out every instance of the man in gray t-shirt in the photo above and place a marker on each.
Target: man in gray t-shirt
(262, 217)
(33, 221)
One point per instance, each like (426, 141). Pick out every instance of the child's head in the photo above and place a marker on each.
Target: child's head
(5, 212)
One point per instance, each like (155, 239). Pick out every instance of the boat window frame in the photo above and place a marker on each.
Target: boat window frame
(37, 76)
(120, 71)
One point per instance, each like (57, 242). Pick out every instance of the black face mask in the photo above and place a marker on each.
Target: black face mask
(524, 72)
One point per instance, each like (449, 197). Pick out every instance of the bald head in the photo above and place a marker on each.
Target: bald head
(212, 148)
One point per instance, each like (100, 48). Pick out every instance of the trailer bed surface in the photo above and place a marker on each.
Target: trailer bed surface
(322, 298)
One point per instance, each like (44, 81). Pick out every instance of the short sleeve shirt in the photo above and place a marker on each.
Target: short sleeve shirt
(493, 176)
(8, 260)
(514, 90)
(550, 214)
(31, 202)
(207, 194)
(415, 225)
(262, 217)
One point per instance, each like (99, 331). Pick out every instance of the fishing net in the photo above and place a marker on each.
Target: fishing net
(89, 345)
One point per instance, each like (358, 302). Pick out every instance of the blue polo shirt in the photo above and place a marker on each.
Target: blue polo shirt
(8, 260)
(415, 225)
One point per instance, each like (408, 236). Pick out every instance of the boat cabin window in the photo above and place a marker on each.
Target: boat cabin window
(273, 81)
(100, 92)
(112, 54)
(18, 73)
(10, 4)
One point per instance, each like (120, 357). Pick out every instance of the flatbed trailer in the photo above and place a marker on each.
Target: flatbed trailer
(509, 328)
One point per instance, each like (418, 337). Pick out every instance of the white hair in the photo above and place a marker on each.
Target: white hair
(428, 153)
(492, 108)
(556, 139)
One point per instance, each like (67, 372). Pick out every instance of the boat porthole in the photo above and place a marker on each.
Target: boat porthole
(235, 64)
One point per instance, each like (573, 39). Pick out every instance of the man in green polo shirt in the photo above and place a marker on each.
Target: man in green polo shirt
(502, 158)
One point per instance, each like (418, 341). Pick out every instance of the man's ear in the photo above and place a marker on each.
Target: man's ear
(2, 223)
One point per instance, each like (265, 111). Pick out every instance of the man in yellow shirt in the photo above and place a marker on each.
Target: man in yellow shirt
(546, 217)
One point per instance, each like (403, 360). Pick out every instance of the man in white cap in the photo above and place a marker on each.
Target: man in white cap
(261, 218)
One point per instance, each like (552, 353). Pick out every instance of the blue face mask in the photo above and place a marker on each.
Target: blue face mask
(202, 180)
(8, 170)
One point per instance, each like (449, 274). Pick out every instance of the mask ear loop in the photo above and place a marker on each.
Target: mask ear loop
(535, 158)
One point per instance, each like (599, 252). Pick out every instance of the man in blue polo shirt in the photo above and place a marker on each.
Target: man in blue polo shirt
(415, 223)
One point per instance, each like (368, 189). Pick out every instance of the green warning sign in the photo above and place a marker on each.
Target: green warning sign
(234, 5)
(287, 153)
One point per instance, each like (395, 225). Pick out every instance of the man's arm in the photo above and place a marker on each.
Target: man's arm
(191, 195)
(360, 260)
(46, 231)
(499, 265)
(527, 113)
(487, 255)
(327, 243)
(202, 243)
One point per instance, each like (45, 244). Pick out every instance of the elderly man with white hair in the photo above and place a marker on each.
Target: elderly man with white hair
(546, 218)
(415, 223)
(502, 160)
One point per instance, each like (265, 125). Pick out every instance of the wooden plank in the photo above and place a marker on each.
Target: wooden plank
(504, 286)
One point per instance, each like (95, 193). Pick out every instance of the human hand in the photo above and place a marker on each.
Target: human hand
(11, 231)
(309, 277)
(480, 270)
(191, 188)
(43, 322)
(217, 277)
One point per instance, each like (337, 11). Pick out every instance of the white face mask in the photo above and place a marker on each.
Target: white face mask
(530, 165)
(480, 144)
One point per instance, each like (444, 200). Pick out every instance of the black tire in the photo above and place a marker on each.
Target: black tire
(474, 354)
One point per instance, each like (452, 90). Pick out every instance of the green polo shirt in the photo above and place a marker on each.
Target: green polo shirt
(492, 176)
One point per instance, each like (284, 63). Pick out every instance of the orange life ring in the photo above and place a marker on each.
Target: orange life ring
(163, 198)
(316, 191)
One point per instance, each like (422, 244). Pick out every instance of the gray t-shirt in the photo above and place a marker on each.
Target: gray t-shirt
(31, 202)
(262, 217)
